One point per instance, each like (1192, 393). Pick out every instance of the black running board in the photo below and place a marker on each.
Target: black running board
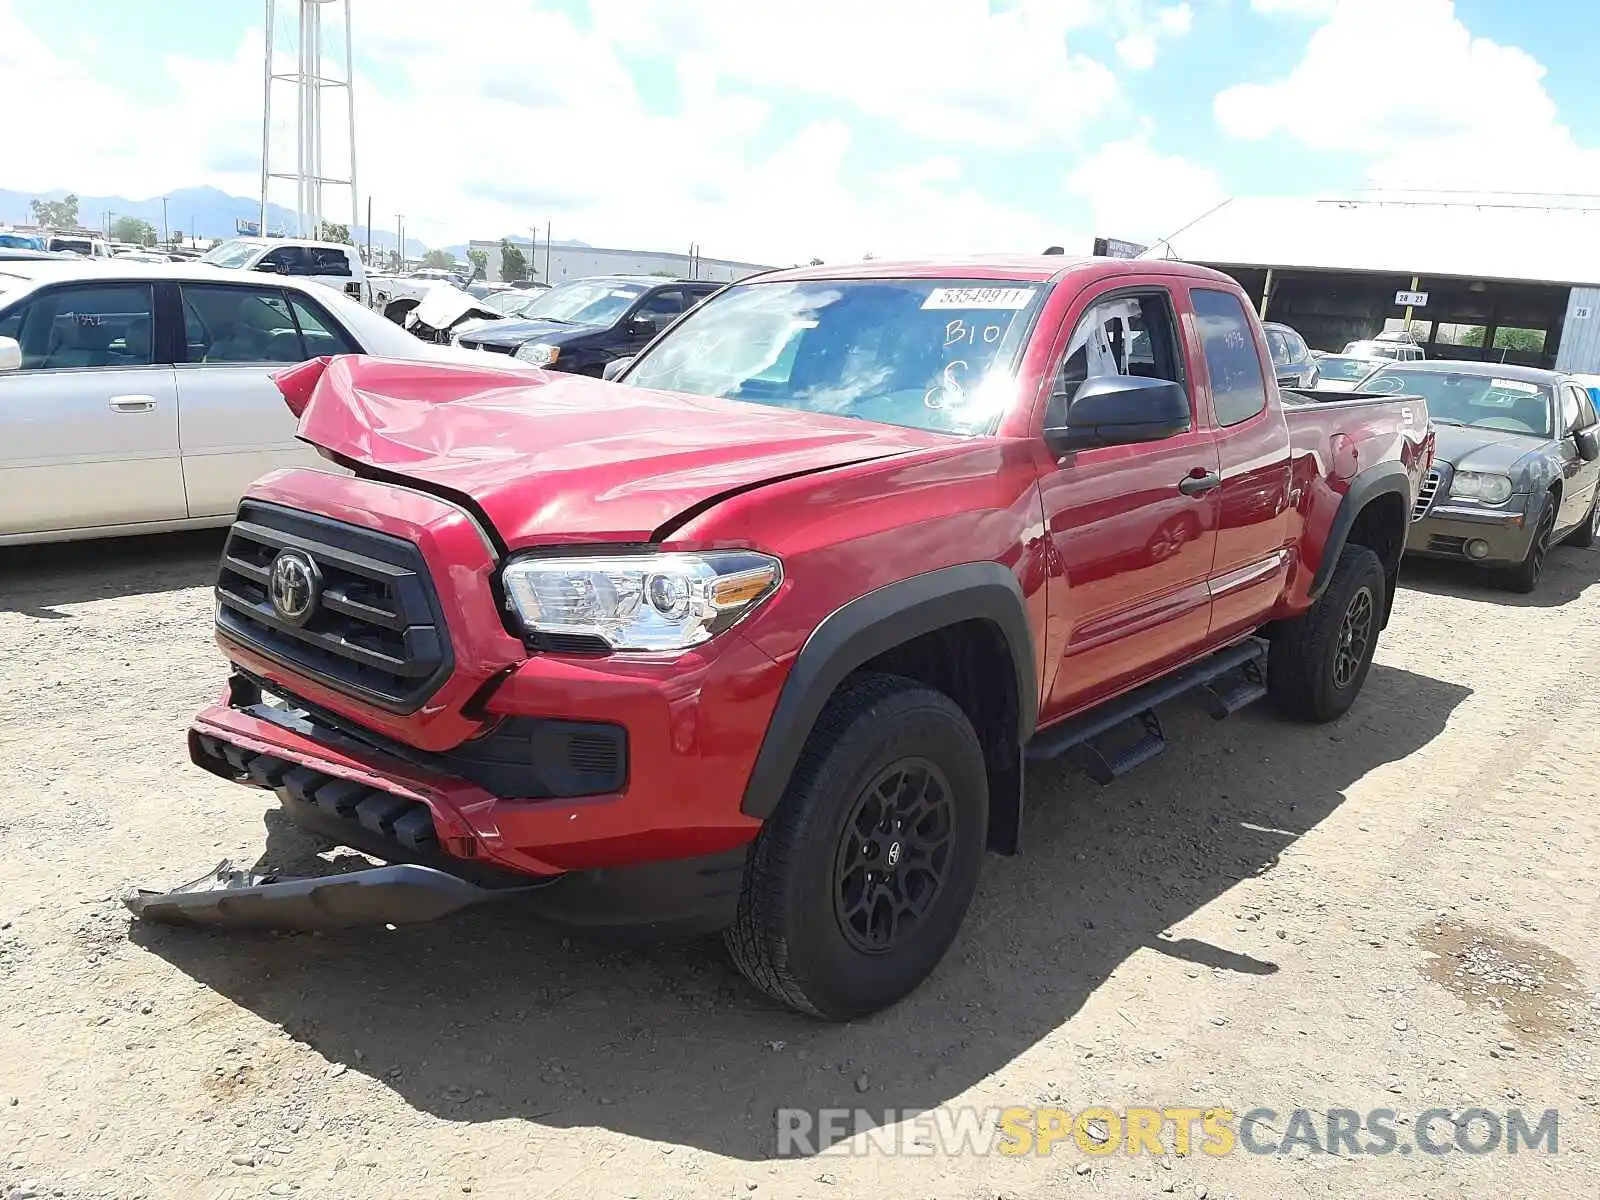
(1229, 680)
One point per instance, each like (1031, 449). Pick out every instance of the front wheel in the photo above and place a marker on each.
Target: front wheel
(859, 881)
(1525, 576)
(1320, 659)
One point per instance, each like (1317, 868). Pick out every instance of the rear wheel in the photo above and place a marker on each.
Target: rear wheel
(1589, 532)
(1525, 576)
(1320, 659)
(859, 881)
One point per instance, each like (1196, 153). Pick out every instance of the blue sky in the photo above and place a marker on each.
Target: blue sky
(833, 127)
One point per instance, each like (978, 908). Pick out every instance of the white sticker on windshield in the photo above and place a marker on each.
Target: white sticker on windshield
(1517, 385)
(978, 297)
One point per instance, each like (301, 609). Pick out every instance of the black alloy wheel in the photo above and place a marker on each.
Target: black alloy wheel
(894, 855)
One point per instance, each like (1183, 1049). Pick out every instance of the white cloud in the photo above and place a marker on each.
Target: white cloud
(1139, 194)
(1141, 45)
(952, 70)
(486, 123)
(1296, 8)
(1432, 106)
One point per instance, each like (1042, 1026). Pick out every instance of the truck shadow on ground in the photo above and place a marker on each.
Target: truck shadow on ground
(488, 1016)
(39, 580)
(1567, 572)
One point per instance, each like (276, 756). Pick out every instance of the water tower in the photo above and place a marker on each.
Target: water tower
(309, 61)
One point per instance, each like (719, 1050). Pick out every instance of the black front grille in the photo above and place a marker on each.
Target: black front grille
(375, 633)
(1438, 543)
(491, 347)
(1425, 495)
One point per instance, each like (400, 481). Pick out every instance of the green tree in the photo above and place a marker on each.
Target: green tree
(442, 259)
(1529, 341)
(513, 265)
(131, 229)
(332, 232)
(56, 214)
(480, 263)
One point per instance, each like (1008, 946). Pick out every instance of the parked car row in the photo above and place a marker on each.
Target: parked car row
(137, 397)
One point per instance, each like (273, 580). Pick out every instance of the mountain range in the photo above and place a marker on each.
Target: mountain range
(205, 212)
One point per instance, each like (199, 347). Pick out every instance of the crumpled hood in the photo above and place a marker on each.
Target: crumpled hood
(554, 458)
(1470, 448)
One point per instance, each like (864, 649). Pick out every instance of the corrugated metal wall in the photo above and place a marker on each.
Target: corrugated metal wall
(1579, 351)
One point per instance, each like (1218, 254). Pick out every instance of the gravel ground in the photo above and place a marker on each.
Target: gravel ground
(1395, 911)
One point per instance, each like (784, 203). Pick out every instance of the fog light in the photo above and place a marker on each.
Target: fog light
(1477, 548)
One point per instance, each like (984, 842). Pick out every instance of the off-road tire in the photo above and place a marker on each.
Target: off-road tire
(788, 938)
(1305, 653)
(1525, 576)
(1586, 534)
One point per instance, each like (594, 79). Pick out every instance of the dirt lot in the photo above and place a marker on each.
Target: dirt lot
(1396, 911)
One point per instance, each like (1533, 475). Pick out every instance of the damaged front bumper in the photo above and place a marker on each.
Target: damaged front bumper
(230, 898)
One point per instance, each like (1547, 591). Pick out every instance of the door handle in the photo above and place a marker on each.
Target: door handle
(132, 404)
(1194, 484)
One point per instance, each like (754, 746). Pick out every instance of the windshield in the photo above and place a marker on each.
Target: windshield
(1484, 401)
(20, 241)
(921, 353)
(586, 302)
(1333, 366)
(232, 254)
(77, 245)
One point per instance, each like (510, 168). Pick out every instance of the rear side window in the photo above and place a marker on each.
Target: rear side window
(328, 261)
(1279, 345)
(238, 325)
(320, 332)
(1238, 391)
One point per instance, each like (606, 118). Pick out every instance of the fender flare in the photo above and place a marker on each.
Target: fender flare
(1365, 486)
(871, 624)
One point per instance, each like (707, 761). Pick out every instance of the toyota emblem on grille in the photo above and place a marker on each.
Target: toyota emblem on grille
(292, 585)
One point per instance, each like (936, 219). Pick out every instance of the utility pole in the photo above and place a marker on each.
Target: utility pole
(533, 251)
(547, 228)
(165, 236)
(400, 241)
(369, 231)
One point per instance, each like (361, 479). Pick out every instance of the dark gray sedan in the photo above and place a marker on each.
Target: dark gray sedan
(1516, 469)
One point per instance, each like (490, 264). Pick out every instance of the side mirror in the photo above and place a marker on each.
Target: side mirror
(644, 326)
(10, 354)
(269, 268)
(1588, 439)
(616, 367)
(1118, 410)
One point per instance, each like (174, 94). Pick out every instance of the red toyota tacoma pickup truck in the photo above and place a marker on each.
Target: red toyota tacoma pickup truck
(760, 636)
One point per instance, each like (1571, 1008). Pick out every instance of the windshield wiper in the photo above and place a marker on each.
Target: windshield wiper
(1447, 421)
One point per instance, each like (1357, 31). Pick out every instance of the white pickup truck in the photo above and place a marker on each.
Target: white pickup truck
(138, 397)
(332, 264)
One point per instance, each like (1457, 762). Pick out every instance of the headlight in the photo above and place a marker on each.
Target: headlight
(640, 602)
(1475, 485)
(540, 354)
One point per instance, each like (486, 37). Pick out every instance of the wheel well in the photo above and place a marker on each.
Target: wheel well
(1381, 527)
(970, 662)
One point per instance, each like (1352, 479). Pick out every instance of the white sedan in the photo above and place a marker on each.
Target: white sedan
(138, 397)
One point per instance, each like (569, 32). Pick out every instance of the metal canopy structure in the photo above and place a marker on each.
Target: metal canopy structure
(314, 34)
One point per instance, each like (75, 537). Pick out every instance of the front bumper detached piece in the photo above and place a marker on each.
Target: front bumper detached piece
(230, 898)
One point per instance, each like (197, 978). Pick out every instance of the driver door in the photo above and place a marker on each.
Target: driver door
(1133, 536)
